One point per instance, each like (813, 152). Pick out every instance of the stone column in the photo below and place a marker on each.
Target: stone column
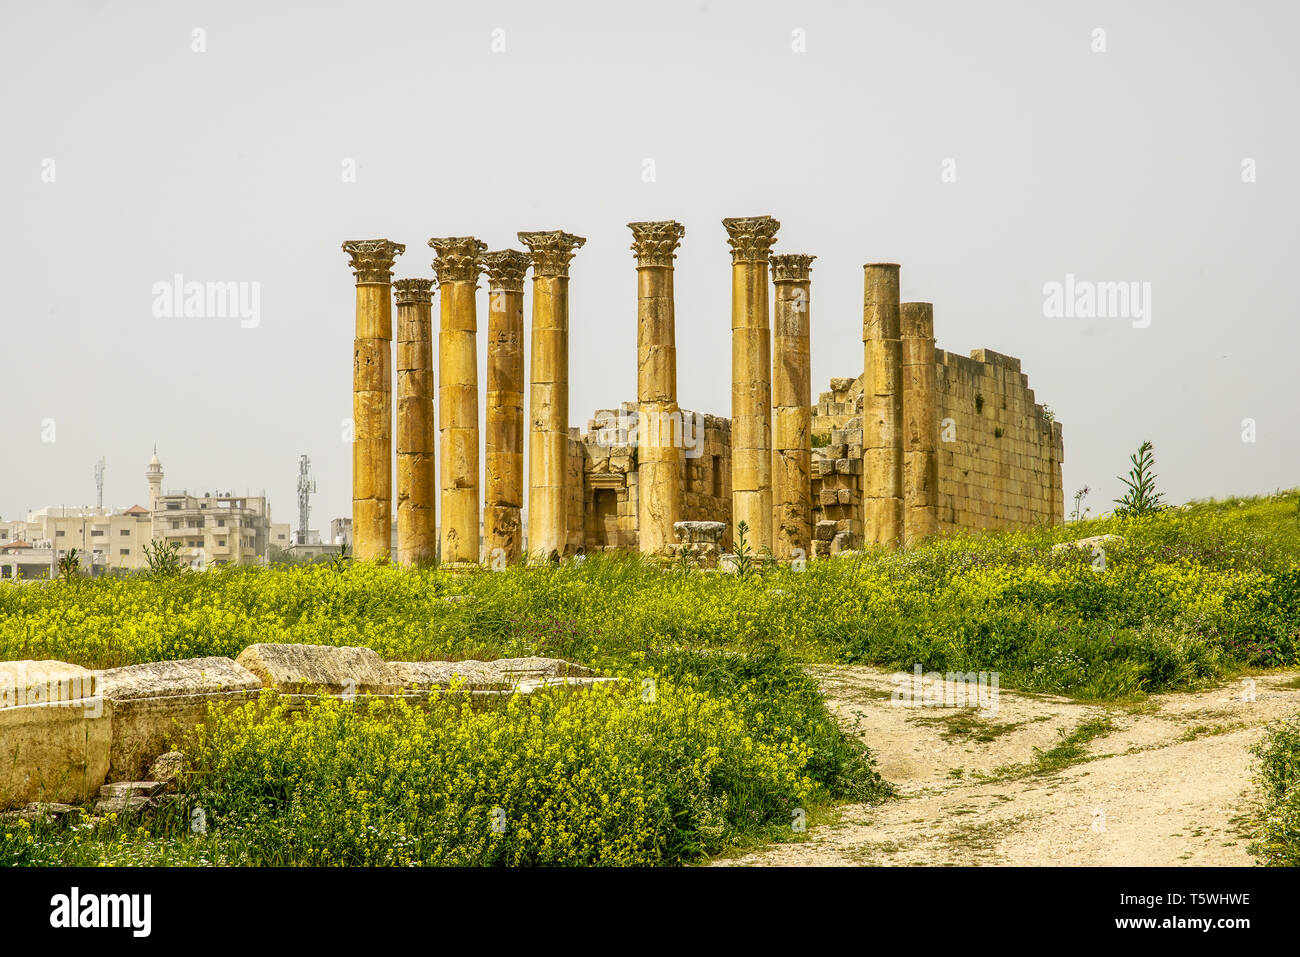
(920, 424)
(372, 398)
(751, 239)
(792, 415)
(503, 499)
(417, 452)
(458, 264)
(882, 407)
(659, 420)
(548, 434)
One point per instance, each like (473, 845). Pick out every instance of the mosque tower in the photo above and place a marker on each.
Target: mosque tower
(154, 474)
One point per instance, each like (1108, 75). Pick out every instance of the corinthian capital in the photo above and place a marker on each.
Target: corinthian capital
(413, 290)
(791, 267)
(506, 269)
(655, 244)
(551, 250)
(751, 237)
(372, 259)
(460, 258)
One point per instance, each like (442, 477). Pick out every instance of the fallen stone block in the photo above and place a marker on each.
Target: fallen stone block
(167, 769)
(187, 676)
(44, 682)
(44, 811)
(155, 704)
(504, 673)
(1090, 544)
(428, 675)
(572, 684)
(134, 799)
(55, 733)
(699, 532)
(319, 668)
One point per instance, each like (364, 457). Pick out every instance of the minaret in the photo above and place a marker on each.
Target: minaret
(154, 475)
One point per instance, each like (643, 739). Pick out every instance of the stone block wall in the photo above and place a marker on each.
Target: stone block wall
(608, 519)
(837, 467)
(999, 454)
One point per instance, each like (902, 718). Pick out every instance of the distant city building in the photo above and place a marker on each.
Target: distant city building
(281, 534)
(212, 528)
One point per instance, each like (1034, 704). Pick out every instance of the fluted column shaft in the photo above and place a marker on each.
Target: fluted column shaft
(882, 407)
(503, 494)
(751, 239)
(792, 412)
(459, 262)
(548, 436)
(920, 424)
(417, 481)
(372, 398)
(659, 419)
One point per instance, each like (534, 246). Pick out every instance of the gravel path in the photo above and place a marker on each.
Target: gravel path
(1162, 783)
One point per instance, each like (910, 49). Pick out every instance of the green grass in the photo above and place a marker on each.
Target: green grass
(694, 755)
(1191, 597)
(1072, 749)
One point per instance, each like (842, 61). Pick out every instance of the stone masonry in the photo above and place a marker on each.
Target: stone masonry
(922, 442)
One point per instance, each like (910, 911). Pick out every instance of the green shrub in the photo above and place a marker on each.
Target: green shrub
(1278, 828)
(610, 776)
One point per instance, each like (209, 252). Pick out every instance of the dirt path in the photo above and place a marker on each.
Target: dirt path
(1164, 783)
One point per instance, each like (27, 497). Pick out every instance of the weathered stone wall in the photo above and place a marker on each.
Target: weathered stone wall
(837, 468)
(999, 454)
(609, 477)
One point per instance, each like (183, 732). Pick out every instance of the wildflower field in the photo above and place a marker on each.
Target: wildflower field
(736, 740)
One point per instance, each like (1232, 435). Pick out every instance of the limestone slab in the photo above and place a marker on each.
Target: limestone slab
(319, 668)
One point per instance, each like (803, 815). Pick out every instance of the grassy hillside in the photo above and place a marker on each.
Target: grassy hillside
(1191, 594)
(732, 748)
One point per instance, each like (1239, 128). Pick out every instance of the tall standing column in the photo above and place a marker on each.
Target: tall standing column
(920, 424)
(659, 425)
(503, 498)
(882, 407)
(417, 452)
(548, 436)
(751, 240)
(459, 262)
(792, 413)
(372, 398)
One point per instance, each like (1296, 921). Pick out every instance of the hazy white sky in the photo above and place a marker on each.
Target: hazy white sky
(227, 165)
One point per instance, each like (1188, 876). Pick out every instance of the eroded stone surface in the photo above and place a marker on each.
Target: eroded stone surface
(701, 532)
(40, 682)
(1091, 543)
(323, 668)
(55, 751)
(481, 675)
(167, 769)
(187, 676)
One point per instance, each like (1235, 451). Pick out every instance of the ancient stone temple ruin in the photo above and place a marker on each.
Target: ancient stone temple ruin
(921, 442)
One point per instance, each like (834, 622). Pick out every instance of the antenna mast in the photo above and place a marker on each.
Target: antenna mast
(99, 481)
(306, 486)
